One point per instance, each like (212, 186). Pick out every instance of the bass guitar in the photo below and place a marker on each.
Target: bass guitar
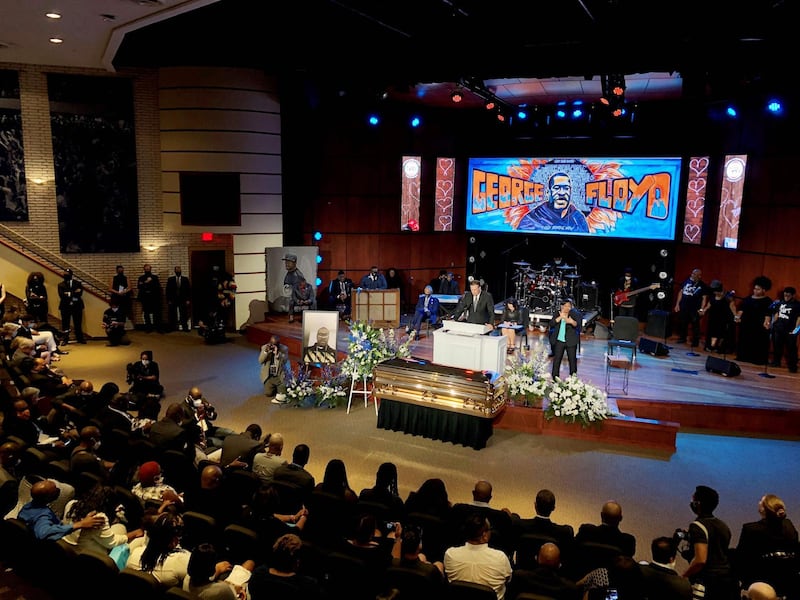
(621, 297)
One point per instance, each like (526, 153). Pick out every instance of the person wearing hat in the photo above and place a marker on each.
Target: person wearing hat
(70, 293)
(339, 294)
(720, 311)
(293, 274)
(785, 322)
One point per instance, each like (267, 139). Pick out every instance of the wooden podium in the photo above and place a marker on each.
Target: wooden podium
(379, 307)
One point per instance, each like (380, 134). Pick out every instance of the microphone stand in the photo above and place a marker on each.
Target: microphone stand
(505, 275)
(766, 374)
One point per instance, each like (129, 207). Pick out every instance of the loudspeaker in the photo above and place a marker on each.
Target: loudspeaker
(587, 296)
(653, 347)
(601, 331)
(726, 368)
(658, 324)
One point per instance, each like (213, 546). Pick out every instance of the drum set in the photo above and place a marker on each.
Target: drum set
(541, 290)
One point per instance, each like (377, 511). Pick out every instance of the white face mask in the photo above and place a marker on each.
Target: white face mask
(627, 276)
(197, 403)
(158, 479)
(145, 362)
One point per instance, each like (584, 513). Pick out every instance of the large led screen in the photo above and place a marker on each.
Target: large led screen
(589, 197)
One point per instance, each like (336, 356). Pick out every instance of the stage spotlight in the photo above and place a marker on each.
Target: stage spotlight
(501, 116)
(774, 106)
(490, 104)
(577, 113)
(561, 113)
(456, 96)
(663, 253)
(317, 235)
(374, 120)
(661, 294)
(319, 259)
(522, 115)
(318, 281)
(471, 260)
(415, 121)
(662, 275)
(731, 112)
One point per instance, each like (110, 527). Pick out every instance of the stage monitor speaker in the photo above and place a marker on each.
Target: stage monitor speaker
(601, 331)
(587, 296)
(658, 324)
(652, 347)
(726, 368)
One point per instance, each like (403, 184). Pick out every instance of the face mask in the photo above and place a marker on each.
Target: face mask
(145, 362)
(96, 444)
(197, 403)
(158, 479)
(627, 276)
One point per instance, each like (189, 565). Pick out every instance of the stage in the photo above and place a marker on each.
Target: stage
(665, 394)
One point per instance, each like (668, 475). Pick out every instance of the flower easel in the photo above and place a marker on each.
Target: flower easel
(365, 390)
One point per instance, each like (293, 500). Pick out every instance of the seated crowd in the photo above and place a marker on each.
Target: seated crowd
(236, 519)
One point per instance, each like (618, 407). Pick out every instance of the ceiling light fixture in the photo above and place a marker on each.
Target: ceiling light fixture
(52, 15)
(56, 40)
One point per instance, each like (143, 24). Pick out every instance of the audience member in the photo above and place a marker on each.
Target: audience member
(427, 309)
(70, 293)
(385, 492)
(759, 590)
(771, 536)
(10, 457)
(295, 475)
(407, 553)
(99, 500)
(546, 578)
(121, 293)
(149, 294)
(144, 377)
(303, 298)
(265, 463)
(262, 516)
(36, 296)
(207, 575)
(239, 449)
(608, 531)
(500, 520)
(168, 432)
(84, 458)
(544, 505)
(211, 498)
(44, 522)
(269, 581)
(659, 579)
(475, 561)
(179, 299)
(334, 481)
(622, 575)
(151, 488)
(431, 498)
(162, 556)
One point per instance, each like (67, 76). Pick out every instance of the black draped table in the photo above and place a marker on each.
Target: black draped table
(434, 423)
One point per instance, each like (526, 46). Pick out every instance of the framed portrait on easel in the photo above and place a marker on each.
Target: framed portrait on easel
(320, 332)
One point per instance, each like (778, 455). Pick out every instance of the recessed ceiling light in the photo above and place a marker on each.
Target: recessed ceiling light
(56, 40)
(52, 15)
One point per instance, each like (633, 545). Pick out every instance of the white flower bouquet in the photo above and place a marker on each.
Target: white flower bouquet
(528, 379)
(574, 401)
(369, 346)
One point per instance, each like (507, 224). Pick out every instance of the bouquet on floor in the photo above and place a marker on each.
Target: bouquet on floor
(369, 346)
(574, 401)
(527, 379)
(330, 391)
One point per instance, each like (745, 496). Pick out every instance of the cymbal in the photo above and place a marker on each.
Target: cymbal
(566, 267)
(522, 263)
(572, 276)
(547, 266)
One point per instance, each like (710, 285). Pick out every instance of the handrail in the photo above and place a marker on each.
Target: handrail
(51, 261)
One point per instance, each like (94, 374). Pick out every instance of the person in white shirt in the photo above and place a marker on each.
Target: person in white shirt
(475, 561)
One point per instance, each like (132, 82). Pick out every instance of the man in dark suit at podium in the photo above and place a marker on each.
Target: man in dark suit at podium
(476, 306)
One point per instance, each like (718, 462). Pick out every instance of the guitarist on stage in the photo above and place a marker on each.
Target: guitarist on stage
(626, 284)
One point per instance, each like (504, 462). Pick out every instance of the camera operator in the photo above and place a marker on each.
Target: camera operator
(709, 570)
(274, 361)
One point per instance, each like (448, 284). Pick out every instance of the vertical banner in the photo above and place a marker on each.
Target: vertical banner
(409, 207)
(730, 202)
(695, 199)
(445, 178)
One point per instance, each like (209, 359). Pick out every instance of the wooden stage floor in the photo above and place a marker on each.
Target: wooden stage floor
(675, 387)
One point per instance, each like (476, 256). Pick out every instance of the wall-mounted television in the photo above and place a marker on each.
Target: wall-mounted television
(589, 197)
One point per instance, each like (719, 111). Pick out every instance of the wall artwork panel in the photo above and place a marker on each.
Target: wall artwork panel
(13, 192)
(94, 154)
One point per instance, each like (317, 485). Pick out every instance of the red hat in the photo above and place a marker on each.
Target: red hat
(148, 472)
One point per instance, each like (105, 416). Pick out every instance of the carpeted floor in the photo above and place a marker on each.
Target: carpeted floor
(654, 489)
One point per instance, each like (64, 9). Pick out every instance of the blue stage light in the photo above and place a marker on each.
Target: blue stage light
(774, 106)
(560, 113)
(577, 113)
(319, 259)
(522, 115)
(731, 112)
(374, 120)
(318, 235)
(415, 121)
(318, 282)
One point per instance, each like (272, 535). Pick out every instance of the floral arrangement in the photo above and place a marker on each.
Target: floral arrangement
(574, 401)
(328, 390)
(369, 346)
(529, 379)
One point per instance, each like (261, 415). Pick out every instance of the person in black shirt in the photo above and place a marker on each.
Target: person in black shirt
(785, 321)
